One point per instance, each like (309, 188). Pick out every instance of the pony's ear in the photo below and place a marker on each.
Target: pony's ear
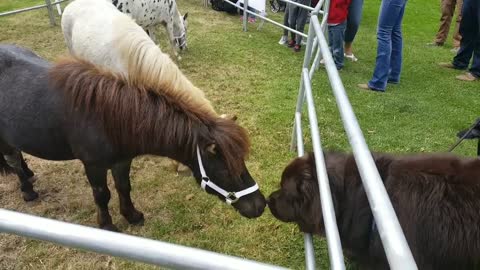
(212, 148)
(185, 16)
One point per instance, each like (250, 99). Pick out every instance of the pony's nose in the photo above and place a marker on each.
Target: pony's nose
(251, 206)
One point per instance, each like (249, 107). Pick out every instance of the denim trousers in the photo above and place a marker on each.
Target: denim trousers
(285, 20)
(470, 43)
(297, 18)
(389, 51)
(353, 20)
(336, 36)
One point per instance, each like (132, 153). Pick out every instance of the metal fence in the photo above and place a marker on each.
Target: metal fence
(395, 245)
(122, 245)
(178, 257)
(48, 4)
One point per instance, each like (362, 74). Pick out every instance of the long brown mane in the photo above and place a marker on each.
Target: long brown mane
(141, 121)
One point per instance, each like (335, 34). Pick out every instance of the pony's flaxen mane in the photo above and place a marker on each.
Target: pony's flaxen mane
(141, 121)
(149, 66)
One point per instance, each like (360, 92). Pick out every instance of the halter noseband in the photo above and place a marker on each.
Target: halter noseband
(230, 197)
(181, 39)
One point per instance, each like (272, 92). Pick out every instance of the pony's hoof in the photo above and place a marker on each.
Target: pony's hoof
(32, 179)
(110, 227)
(30, 196)
(135, 218)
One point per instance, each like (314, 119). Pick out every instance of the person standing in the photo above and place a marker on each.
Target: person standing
(388, 64)
(448, 10)
(470, 43)
(337, 22)
(353, 23)
(297, 17)
(284, 38)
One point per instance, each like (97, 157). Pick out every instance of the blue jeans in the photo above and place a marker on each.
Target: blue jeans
(336, 36)
(389, 51)
(470, 43)
(353, 20)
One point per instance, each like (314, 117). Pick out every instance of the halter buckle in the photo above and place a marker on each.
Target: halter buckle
(204, 182)
(231, 198)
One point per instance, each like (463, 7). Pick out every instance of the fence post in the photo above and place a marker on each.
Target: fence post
(245, 15)
(50, 12)
(301, 92)
(59, 9)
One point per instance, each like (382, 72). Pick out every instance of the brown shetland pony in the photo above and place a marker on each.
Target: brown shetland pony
(75, 110)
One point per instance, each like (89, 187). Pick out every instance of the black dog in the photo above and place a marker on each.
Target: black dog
(436, 199)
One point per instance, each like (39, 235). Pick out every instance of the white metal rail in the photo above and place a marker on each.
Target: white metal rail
(122, 245)
(179, 257)
(396, 248)
(48, 4)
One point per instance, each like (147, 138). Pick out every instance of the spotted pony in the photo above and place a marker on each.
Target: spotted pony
(150, 13)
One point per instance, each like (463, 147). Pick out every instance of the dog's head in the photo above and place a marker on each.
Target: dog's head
(298, 198)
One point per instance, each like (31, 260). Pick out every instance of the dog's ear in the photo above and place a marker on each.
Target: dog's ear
(308, 182)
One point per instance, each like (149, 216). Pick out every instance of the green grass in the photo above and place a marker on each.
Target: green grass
(250, 75)
(10, 5)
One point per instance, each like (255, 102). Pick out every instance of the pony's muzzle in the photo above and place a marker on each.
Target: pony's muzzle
(252, 205)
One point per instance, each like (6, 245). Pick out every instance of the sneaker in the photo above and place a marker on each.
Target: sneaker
(297, 48)
(251, 20)
(283, 40)
(350, 57)
(291, 43)
(468, 77)
(449, 65)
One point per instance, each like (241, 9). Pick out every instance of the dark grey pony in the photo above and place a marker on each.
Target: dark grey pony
(72, 110)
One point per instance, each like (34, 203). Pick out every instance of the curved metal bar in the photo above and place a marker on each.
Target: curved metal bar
(121, 245)
(331, 231)
(396, 247)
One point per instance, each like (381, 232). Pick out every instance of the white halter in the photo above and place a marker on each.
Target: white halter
(230, 197)
(177, 40)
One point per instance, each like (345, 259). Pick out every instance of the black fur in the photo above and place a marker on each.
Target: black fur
(436, 199)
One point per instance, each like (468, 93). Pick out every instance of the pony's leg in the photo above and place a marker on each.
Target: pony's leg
(97, 176)
(172, 39)
(28, 172)
(121, 175)
(15, 160)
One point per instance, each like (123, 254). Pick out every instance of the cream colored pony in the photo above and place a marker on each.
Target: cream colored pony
(95, 30)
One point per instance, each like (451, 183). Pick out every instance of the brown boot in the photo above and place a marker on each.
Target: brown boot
(449, 65)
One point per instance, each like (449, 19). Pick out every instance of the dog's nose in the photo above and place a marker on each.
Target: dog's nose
(270, 202)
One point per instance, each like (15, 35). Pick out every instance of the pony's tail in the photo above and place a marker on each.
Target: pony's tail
(4, 167)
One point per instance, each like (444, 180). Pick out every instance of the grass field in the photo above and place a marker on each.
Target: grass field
(250, 75)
